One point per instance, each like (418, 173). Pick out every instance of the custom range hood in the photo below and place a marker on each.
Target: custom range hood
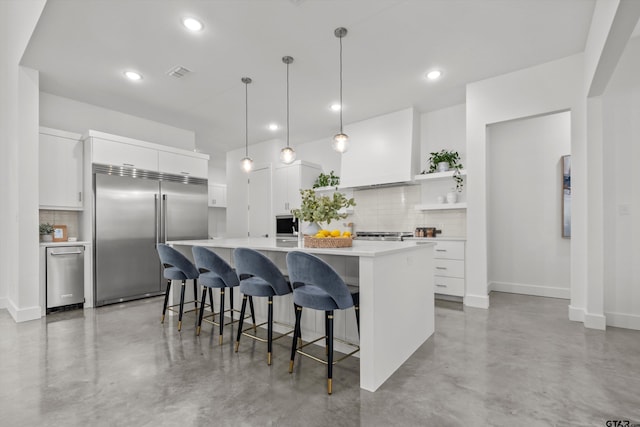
(383, 150)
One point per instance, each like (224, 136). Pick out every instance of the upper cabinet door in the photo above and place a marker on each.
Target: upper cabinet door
(179, 164)
(60, 178)
(120, 154)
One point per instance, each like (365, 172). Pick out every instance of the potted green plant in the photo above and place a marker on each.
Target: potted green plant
(45, 232)
(444, 160)
(329, 180)
(316, 209)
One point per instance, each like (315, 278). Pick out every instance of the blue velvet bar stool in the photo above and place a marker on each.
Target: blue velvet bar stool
(177, 267)
(259, 277)
(318, 286)
(215, 273)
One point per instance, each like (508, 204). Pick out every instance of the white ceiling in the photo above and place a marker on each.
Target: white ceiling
(82, 47)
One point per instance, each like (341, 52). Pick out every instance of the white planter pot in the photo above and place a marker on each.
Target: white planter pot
(443, 166)
(440, 199)
(311, 229)
(452, 197)
(46, 237)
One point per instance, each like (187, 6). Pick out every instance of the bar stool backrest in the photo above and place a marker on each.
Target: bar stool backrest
(308, 269)
(210, 261)
(252, 263)
(171, 258)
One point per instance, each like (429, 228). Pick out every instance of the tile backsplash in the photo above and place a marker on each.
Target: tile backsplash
(69, 218)
(392, 209)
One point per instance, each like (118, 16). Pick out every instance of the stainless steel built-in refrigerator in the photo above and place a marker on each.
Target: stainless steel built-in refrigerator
(134, 211)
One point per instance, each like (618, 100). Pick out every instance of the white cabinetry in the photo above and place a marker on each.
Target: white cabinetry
(287, 182)
(116, 150)
(217, 196)
(179, 164)
(115, 153)
(449, 268)
(60, 170)
(438, 184)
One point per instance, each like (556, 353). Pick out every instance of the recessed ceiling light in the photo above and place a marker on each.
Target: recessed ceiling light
(335, 107)
(273, 126)
(192, 24)
(132, 75)
(433, 75)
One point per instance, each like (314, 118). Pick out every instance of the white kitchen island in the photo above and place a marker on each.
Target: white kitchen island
(396, 295)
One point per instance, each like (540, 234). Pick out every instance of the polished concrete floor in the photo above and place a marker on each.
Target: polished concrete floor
(521, 363)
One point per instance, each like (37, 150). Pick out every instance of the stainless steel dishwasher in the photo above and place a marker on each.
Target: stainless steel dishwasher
(65, 277)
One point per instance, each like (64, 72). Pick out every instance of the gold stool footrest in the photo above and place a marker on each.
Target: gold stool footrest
(257, 338)
(213, 322)
(325, 362)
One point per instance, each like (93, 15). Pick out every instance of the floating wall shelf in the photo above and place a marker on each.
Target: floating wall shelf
(440, 206)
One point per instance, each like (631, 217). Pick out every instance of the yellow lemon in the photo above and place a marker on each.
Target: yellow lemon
(319, 235)
(346, 234)
(326, 233)
(335, 233)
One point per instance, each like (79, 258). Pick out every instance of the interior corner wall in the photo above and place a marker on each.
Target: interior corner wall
(542, 89)
(621, 133)
(525, 205)
(18, 183)
(67, 114)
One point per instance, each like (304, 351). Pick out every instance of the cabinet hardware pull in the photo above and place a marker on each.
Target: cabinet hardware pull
(79, 196)
(184, 173)
(441, 286)
(441, 268)
(441, 250)
(128, 164)
(65, 253)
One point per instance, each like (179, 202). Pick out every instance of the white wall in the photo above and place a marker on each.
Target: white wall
(546, 88)
(18, 161)
(74, 116)
(621, 129)
(526, 251)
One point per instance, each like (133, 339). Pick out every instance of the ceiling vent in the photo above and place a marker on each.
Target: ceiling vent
(178, 72)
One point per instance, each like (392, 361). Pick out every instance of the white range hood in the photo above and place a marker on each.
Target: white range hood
(383, 150)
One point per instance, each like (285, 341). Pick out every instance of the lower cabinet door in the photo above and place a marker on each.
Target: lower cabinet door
(448, 286)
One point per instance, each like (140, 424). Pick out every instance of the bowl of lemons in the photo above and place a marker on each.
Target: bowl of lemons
(329, 239)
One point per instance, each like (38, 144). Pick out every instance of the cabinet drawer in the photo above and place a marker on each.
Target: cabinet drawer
(119, 154)
(448, 286)
(448, 268)
(449, 250)
(179, 164)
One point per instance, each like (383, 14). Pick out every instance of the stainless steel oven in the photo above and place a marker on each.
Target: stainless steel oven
(286, 226)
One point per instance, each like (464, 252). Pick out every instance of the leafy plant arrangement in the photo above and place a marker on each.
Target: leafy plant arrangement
(315, 208)
(46, 228)
(330, 180)
(451, 157)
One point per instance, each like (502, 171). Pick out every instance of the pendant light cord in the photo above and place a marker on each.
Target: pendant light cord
(341, 85)
(287, 104)
(246, 119)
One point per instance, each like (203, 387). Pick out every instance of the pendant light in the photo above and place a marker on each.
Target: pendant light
(287, 154)
(340, 140)
(247, 163)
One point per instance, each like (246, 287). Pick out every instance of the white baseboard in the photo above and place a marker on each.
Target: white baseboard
(576, 314)
(24, 314)
(595, 321)
(623, 320)
(477, 301)
(4, 302)
(527, 289)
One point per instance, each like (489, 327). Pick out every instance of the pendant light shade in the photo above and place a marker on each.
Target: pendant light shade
(247, 163)
(341, 139)
(287, 154)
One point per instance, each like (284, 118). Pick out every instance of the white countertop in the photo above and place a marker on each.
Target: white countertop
(53, 244)
(360, 248)
(435, 239)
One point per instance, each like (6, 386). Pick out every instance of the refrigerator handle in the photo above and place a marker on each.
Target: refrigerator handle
(164, 218)
(157, 219)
